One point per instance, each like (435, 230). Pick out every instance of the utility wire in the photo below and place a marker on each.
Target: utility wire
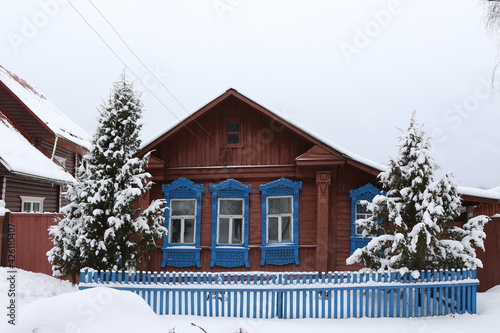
(147, 68)
(124, 64)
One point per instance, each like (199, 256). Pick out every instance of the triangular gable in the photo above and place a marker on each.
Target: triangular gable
(335, 154)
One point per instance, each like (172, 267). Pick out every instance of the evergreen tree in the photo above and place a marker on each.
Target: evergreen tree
(101, 228)
(414, 220)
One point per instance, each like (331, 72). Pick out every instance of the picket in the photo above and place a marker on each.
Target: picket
(297, 295)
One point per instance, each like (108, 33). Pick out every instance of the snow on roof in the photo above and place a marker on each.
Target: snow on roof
(42, 108)
(493, 193)
(20, 157)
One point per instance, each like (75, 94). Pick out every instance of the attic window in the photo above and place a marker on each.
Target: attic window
(233, 132)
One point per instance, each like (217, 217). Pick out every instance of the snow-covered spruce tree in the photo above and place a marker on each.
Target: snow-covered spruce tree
(101, 228)
(414, 220)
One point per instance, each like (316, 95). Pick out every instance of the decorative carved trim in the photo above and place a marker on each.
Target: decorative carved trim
(284, 253)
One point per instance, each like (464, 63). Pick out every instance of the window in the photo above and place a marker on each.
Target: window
(61, 161)
(280, 222)
(181, 246)
(359, 211)
(182, 221)
(31, 204)
(230, 227)
(230, 218)
(279, 219)
(233, 132)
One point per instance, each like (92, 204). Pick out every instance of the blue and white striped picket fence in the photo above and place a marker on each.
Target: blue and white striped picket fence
(297, 295)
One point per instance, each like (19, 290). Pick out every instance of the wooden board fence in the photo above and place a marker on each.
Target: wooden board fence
(297, 295)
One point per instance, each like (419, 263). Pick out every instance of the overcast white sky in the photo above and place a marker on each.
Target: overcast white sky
(352, 71)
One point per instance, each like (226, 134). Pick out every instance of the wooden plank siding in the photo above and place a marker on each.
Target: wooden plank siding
(202, 143)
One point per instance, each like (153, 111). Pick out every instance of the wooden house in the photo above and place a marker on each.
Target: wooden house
(39, 150)
(247, 189)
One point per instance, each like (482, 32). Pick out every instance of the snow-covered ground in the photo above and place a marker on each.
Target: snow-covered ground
(45, 304)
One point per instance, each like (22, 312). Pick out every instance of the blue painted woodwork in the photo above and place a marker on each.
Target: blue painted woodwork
(230, 255)
(178, 254)
(366, 192)
(299, 294)
(280, 253)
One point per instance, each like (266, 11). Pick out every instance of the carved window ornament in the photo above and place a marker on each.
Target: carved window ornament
(359, 211)
(280, 222)
(181, 246)
(230, 224)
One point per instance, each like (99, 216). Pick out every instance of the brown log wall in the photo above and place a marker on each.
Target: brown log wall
(17, 187)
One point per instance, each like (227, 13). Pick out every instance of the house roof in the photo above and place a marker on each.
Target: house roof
(22, 158)
(329, 147)
(43, 110)
(324, 150)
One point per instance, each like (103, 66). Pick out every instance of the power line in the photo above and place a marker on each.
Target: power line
(147, 68)
(124, 64)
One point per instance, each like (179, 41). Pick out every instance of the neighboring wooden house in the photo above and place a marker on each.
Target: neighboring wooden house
(490, 274)
(247, 189)
(39, 150)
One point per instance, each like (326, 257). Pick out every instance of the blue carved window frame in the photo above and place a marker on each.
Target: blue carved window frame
(280, 253)
(230, 255)
(182, 254)
(366, 192)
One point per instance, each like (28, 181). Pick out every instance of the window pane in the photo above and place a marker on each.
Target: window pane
(189, 231)
(233, 138)
(359, 230)
(27, 207)
(183, 207)
(279, 205)
(233, 126)
(237, 231)
(223, 231)
(286, 226)
(231, 207)
(360, 209)
(175, 231)
(272, 229)
(36, 207)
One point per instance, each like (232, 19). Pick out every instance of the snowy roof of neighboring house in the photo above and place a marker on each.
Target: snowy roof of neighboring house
(493, 193)
(20, 157)
(41, 108)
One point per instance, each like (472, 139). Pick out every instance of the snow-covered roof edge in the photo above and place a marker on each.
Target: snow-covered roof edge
(478, 192)
(343, 151)
(21, 158)
(44, 110)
